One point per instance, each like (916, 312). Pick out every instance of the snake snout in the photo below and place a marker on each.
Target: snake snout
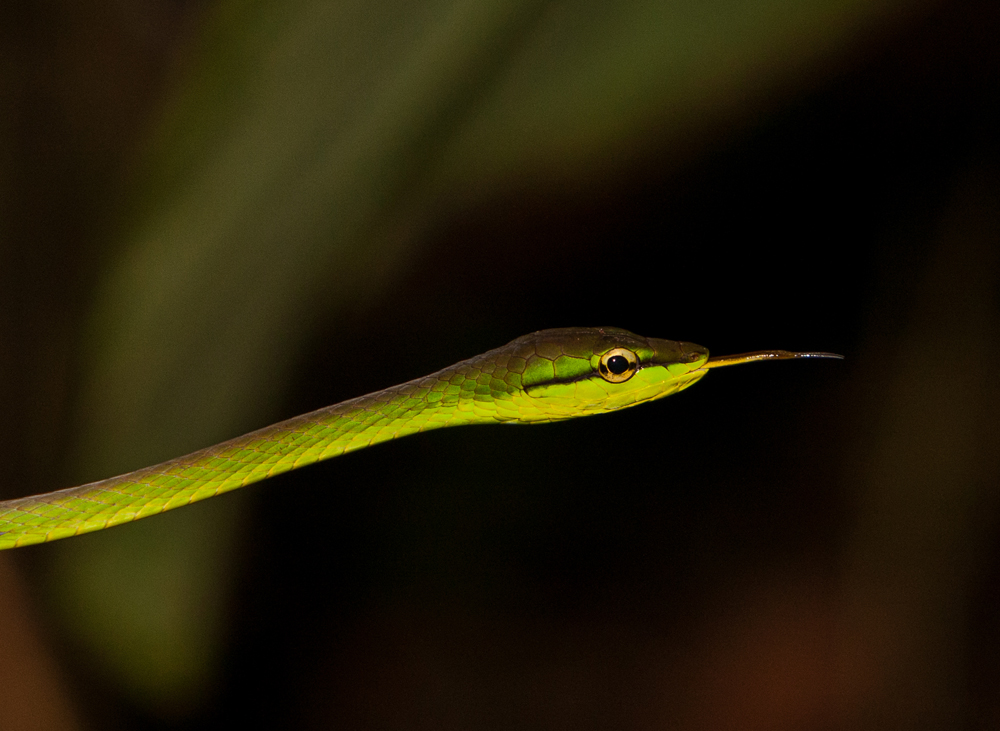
(672, 351)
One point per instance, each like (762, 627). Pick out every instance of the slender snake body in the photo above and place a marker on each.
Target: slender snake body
(549, 375)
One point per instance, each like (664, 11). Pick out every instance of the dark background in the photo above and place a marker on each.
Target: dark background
(807, 545)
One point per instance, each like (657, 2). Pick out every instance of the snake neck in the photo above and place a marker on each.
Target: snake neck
(472, 392)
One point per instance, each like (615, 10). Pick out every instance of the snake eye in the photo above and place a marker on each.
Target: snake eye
(618, 365)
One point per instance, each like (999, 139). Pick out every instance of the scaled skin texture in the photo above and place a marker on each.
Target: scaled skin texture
(548, 375)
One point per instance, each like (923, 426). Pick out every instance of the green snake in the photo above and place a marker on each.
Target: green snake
(549, 375)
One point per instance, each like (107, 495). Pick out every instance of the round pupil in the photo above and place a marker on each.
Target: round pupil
(618, 364)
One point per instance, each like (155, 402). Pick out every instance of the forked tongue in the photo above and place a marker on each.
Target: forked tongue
(718, 361)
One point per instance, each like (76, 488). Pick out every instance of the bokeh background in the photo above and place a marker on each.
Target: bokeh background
(217, 214)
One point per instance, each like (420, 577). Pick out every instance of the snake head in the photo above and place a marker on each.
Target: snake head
(576, 371)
